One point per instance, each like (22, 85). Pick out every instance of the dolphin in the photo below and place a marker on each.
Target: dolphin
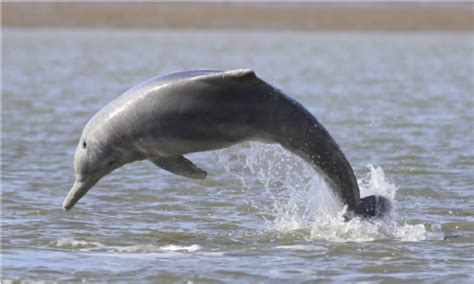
(168, 116)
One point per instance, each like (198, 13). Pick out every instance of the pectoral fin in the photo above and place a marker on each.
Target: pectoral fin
(181, 166)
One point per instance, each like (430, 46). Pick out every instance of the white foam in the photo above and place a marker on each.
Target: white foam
(80, 245)
(173, 248)
(135, 249)
(311, 248)
(88, 246)
(153, 248)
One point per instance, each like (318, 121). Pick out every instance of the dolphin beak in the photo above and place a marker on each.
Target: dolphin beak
(78, 190)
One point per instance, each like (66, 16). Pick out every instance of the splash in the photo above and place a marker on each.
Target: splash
(300, 201)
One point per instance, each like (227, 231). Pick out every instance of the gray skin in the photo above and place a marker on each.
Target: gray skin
(168, 116)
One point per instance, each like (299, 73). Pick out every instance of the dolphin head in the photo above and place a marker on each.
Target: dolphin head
(95, 157)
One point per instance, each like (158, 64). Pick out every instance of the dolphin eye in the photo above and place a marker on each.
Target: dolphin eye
(110, 163)
(84, 145)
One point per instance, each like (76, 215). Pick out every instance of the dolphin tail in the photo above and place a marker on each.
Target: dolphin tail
(373, 206)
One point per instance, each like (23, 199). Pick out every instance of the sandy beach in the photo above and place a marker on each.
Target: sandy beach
(300, 16)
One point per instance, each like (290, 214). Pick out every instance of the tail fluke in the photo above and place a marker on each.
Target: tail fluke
(373, 206)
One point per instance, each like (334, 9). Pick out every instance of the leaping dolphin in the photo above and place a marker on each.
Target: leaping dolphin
(172, 115)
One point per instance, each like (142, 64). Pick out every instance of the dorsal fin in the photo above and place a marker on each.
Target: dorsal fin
(238, 74)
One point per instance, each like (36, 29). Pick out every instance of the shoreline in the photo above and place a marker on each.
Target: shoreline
(230, 31)
(343, 17)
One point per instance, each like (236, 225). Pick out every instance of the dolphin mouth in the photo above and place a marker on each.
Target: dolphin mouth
(77, 191)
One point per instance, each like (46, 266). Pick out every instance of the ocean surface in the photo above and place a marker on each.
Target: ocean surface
(401, 106)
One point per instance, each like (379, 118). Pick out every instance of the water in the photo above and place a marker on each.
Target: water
(400, 106)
